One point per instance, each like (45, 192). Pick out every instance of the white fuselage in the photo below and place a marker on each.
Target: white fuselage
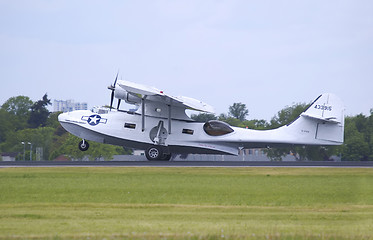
(180, 135)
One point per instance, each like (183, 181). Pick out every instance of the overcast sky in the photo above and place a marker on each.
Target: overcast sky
(266, 54)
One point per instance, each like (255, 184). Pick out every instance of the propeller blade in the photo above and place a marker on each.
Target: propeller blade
(112, 99)
(119, 103)
(112, 88)
(116, 78)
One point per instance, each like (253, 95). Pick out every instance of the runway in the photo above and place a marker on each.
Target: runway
(183, 164)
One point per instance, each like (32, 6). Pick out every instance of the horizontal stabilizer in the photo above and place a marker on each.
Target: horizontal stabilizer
(327, 108)
(329, 120)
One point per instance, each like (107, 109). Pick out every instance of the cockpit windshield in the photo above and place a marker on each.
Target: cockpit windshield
(217, 128)
(100, 110)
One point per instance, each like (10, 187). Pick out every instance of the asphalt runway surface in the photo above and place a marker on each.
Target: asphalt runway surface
(184, 164)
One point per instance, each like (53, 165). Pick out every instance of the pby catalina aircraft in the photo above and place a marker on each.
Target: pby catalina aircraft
(161, 127)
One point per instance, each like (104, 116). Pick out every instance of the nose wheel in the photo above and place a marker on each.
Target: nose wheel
(83, 145)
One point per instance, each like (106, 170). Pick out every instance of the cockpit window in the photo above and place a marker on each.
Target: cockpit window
(100, 110)
(103, 111)
(217, 128)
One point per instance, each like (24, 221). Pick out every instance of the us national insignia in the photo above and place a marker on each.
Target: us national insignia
(94, 119)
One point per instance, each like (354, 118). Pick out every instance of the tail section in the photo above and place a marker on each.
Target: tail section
(322, 123)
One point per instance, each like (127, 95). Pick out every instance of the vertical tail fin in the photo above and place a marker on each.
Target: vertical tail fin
(323, 120)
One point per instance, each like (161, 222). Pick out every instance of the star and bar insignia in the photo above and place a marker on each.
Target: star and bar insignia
(94, 119)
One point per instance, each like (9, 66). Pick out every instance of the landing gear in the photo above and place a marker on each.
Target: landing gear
(83, 145)
(157, 153)
(154, 153)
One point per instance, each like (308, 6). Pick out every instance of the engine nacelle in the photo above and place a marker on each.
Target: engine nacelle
(127, 97)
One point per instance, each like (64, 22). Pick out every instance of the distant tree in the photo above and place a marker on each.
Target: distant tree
(52, 120)
(276, 154)
(358, 144)
(203, 117)
(288, 115)
(6, 125)
(256, 124)
(238, 111)
(39, 112)
(18, 106)
(223, 117)
(38, 137)
(233, 122)
(236, 122)
(18, 109)
(69, 148)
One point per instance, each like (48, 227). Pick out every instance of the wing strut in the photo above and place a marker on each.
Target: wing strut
(169, 119)
(143, 112)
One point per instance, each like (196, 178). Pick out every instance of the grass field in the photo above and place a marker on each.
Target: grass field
(186, 203)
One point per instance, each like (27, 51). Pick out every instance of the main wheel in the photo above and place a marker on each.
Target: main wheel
(154, 153)
(83, 145)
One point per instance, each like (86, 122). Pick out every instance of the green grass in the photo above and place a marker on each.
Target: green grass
(186, 203)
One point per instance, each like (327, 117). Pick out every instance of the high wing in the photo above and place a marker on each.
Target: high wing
(156, 95)
(139, 89)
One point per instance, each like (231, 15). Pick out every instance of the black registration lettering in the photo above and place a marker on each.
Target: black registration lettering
(323, 107)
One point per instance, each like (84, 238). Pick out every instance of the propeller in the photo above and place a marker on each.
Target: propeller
(119, 103)
(112, 88)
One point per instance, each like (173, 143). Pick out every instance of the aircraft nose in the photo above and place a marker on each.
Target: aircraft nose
(62, 117)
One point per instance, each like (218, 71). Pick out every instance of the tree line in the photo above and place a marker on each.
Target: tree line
(25, 121)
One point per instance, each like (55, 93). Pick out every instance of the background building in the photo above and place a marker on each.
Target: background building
(68, 106)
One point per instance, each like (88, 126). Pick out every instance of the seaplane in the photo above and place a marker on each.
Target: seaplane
(160, 126)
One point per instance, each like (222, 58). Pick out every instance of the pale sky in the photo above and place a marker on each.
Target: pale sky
(266, 54)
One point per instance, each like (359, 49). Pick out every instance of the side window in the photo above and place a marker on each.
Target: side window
(188, 131)
(130, 125)
(217, 128)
